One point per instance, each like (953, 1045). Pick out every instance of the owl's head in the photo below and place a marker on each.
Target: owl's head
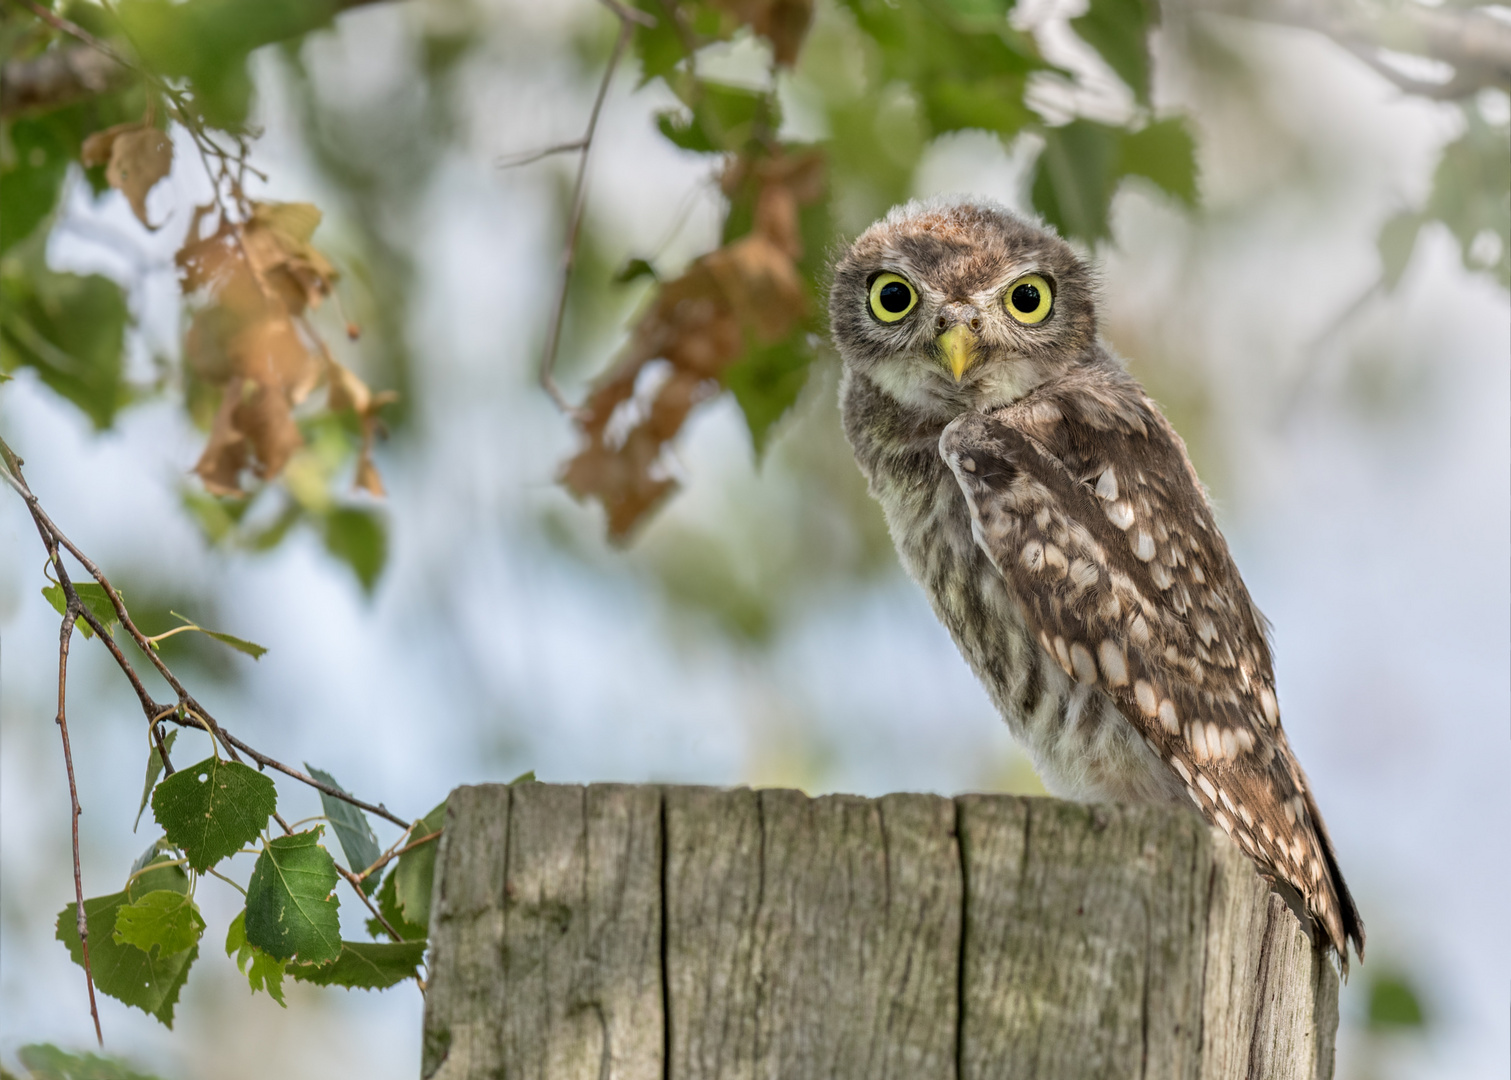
(949, 305)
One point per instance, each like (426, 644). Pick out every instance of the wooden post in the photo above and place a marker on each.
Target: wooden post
(617, 932)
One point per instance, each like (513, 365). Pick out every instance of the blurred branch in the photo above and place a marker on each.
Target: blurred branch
(58, 77)
(65, 74)
(628, 18)
(1474, 42)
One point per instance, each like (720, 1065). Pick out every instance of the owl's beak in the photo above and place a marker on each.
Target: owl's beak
(958, 344)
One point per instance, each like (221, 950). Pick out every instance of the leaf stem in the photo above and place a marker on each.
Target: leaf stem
(65, 633)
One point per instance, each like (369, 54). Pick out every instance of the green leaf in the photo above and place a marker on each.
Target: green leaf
(142, 980)
(1394, 1005)
(291, 909)
(208, 41)
(359, 539)
(69, 328)
(527, 777)
(265, 973)
(1083, 161)
(92, 596)
(1165, 153)
(164, 920)
(388, 903)
(635, 268)
(154, 770)
(721, 118)
(1119, 30)
(44, 1061)
(1074, 180)
(1469, 193)
(992, 104)
(766, 382)
(156, 868)
(415, 872)
(210, 810)
(241, 645)
(659, 48)
(365, 965)
(352, 828)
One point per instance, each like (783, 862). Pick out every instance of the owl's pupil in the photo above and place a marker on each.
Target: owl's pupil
(1026, 298)
(895, 296)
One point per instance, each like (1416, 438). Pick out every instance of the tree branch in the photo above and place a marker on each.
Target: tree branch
(1476, 44)
(65, 634)
(53, 539)
(58, 77)
(628, 18)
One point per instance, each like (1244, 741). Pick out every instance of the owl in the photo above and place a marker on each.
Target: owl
(1054, 519)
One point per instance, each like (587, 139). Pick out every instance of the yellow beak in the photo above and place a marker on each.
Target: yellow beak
(959, 346)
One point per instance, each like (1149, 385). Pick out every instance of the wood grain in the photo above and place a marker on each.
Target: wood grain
(619, 933)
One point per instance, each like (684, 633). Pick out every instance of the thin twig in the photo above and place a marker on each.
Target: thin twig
(356, 883)
(304, 778)
(70, 614)
(74, 30)
(52, 538)
(389, 856)
(628, 19)
(516, 160)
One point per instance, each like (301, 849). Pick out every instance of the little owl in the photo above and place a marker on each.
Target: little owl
(1052, 516)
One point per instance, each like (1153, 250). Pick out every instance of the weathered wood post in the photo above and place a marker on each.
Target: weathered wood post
(638, 933)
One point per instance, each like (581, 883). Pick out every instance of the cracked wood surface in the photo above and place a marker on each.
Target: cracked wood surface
(620, 932)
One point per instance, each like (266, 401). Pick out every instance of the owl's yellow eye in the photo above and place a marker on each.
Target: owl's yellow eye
(892, 297)
(1029, 299)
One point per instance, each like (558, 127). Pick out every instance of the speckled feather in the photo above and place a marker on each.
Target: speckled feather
(1057, 525)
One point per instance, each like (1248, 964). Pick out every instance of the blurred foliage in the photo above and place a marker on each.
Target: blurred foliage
(43, 1061)
(1471, 194)
(883, 79)
(1393, 1003)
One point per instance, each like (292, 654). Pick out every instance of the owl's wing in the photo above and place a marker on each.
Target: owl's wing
(1084, 499)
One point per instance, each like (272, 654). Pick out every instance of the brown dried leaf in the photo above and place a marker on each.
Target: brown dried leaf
(368, 479)
(347, 391)
(205, 263)
(225, 455)
(783, 22)
(277, 243)
(97, 146)
(699, 324)
(140, 156)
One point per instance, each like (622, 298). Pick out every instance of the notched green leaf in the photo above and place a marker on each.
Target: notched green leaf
(92, 596)
(210, 810)
(147, 981)
(291, 906)
(365, 965)
(263, 972)
(164, 920)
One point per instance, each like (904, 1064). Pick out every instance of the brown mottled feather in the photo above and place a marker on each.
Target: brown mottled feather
(1084, 499)
(1055, 523)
